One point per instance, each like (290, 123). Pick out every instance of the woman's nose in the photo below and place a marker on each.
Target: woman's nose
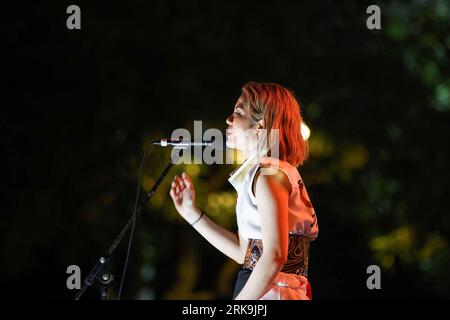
(229, 120)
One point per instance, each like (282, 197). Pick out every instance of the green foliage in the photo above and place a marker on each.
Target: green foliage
(377, 104)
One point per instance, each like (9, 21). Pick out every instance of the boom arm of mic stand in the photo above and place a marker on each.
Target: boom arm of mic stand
(100, 267)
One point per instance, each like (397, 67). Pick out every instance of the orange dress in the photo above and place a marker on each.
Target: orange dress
(302, 220)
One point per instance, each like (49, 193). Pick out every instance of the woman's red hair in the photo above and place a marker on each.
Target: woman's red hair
(279, 109)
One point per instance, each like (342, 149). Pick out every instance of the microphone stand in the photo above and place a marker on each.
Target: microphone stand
(99, 271)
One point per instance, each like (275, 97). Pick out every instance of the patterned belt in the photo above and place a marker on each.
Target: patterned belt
(297, 259)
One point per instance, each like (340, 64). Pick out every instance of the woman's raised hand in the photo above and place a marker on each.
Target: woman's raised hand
(182, 193)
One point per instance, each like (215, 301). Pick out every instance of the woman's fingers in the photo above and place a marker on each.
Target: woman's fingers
(172, 193)
(181, 182)
(186, 179)
(173, 187)
(177, 185)
(176, 181)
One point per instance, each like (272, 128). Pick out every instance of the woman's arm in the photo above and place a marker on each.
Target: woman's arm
(272, 195)
(224, 240)
(183, 194)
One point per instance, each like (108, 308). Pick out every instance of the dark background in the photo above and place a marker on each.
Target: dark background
(80, 106)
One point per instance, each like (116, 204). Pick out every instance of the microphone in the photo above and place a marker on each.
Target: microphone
(182, 143)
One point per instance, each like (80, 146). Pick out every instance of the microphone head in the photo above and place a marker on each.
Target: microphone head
(184, 143)
(161, 142)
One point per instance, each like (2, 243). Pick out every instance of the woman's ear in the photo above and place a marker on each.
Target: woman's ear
(261, 124)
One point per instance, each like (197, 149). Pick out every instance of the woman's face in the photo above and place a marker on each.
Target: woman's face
(240, 134)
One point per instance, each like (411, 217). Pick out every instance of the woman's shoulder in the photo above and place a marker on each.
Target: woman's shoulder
(272, 165)
(277, 170)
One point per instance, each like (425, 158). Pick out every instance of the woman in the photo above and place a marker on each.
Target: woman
(275, 218)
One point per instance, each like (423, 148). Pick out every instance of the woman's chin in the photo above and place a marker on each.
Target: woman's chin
(233, 143)
(230, 144)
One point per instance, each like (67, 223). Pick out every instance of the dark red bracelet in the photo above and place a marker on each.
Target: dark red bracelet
(198, 219)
